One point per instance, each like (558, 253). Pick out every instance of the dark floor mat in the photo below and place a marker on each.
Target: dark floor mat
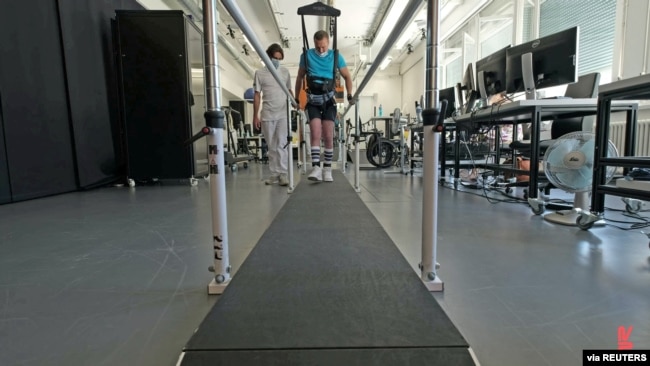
(325, 275)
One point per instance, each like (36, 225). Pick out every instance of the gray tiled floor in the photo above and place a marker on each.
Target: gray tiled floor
(117, 276)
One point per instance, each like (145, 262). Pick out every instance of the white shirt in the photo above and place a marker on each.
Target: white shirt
(274, 101)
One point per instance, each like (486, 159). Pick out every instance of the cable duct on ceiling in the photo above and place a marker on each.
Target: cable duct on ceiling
(197, 13)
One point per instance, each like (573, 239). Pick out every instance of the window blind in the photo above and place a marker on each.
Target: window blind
(596, 19)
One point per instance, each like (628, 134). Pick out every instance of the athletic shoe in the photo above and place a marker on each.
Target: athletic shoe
(316, 174)
(272, 180)
(327, 174)
(283, 180)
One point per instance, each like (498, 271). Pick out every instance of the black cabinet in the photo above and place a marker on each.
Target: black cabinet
(158, 52)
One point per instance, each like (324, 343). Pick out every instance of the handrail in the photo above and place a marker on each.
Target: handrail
(237, 15)
(400, 26)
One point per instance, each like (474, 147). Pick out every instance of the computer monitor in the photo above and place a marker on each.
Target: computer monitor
(448, 94)
(542, 63)
(468, 78)
(466, 92)
(491, 74)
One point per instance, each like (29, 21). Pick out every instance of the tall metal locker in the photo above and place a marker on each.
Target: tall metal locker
(158, 50)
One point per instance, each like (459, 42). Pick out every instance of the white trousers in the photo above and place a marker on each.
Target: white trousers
(275, 134)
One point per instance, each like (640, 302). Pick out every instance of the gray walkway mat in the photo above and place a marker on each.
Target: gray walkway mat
(325, 276)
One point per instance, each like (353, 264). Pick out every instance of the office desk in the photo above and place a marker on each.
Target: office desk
(608, 95)
(533, 112)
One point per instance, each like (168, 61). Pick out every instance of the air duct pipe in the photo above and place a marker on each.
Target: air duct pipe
(235, 54)
(402, 23)
(237, 15)
(196, 12)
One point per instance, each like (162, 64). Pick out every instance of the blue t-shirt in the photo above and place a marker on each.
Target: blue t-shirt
(321, 66)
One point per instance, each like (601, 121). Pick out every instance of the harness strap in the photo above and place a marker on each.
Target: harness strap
(319, 9)
(336, 50)
(305, 42)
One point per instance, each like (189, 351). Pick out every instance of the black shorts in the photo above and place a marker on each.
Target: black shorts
(324, 112)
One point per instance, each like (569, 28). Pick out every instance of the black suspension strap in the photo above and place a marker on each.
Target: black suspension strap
(305, 42)
(336, 50)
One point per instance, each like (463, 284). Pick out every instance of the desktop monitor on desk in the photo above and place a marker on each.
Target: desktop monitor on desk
(448, 94)
(466, 92)
(491, 74)
(542, 63)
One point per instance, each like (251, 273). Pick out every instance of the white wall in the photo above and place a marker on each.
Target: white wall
(632, 46)
(632, 51)
(385, 90)
(413, 76)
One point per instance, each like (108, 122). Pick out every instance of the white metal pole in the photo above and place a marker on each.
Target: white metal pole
(215, 121)
(342, 155)
(357, 134)
(289, 146)
(430, 159)
(402, 149)
(303, 123)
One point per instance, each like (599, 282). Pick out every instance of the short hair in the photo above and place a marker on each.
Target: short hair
(273, 49)
(321, 34)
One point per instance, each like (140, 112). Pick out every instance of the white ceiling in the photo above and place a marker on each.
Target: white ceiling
(362, 27)
(353, 26)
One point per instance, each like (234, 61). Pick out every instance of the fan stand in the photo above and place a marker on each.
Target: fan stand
(570, 217)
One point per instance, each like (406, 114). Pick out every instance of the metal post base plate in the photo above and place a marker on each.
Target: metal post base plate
(435, 286)
(215, 288)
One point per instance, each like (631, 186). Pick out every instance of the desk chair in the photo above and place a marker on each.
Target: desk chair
(586, 87)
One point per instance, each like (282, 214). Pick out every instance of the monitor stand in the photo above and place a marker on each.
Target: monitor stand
(471, 99)
(528, 75)
(458, 89)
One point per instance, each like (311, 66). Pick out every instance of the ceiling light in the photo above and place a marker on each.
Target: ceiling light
(384, 64)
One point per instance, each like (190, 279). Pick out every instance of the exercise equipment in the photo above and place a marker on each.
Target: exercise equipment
(231, 155)
(249, 94)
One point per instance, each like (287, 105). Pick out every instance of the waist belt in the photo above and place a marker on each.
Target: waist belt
(318, 85)
(319, 99)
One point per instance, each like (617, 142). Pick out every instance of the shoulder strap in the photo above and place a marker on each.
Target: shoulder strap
(305, 43)
(336, 51)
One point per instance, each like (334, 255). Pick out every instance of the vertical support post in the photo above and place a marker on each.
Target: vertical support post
(215, 121)
(357, 141)
(342, 151)
(431, 154)
(402, 146)
(303, 122)
(289, 146)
